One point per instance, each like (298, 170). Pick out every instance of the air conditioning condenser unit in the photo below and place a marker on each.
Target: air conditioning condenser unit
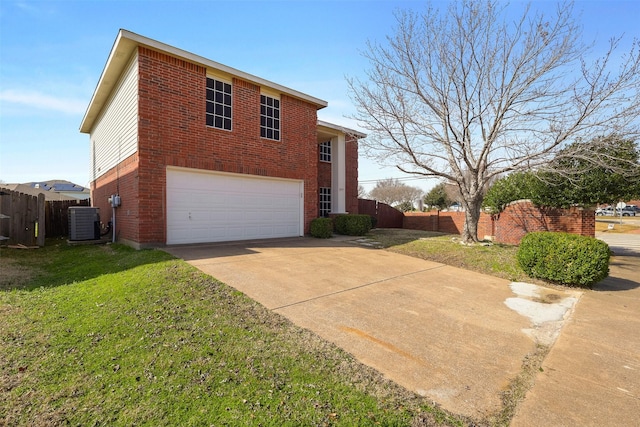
(84, 223)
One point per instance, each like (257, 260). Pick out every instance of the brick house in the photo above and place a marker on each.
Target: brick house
(201, 152)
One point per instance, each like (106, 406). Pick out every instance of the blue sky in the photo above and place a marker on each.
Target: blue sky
(52, 54)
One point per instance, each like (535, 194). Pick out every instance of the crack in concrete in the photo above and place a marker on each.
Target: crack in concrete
(386, 279)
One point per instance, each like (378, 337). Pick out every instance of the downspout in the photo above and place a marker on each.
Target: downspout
(113, 221)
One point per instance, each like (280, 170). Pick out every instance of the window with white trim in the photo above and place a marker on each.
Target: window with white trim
(269, 117)
(218, 104)
(325, 201)
(325, 152)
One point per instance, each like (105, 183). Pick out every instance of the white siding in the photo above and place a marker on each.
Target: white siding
(115, 134)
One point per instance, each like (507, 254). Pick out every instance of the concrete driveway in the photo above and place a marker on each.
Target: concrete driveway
(445, 333)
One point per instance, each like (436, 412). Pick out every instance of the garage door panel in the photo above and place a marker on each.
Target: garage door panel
(211, 207)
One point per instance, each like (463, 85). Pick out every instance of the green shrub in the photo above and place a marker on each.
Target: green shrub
(564, 258)
(353, 225)
(322, 228)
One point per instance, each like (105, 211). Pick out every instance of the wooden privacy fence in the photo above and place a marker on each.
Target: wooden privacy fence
(22, 218)
(57, 216)
(385, 215)
(26, 220)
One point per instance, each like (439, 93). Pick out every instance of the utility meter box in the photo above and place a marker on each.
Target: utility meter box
(114, 201)
(84, 223)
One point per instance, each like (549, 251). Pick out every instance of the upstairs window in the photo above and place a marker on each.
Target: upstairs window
(218, 104)
(269, 117)
(325, 152)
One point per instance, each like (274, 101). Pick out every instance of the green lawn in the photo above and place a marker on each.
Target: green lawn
(106, 335)
(493, 259)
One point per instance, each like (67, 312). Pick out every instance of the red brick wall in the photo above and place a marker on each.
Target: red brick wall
(445, 222)
(324, 174)
(295, 156)
(123, 180)
(425, 221)
(172, 132)
(520, 218)
(511, 225)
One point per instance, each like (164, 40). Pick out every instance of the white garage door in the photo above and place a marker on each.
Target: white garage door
(216, 207)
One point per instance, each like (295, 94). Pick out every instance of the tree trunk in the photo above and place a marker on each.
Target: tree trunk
(471, 217)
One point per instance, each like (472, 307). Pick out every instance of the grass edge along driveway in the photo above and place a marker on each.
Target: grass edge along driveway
(106, 335)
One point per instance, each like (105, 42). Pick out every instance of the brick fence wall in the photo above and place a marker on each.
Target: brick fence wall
(445, 222)
(518, 219)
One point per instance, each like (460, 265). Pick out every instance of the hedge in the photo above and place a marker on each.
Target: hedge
(352, 224)
(564, 258)
(322, 228)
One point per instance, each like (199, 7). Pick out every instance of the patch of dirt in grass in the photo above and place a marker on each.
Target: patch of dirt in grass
(519, 386)
(107, 248)
(13, 275)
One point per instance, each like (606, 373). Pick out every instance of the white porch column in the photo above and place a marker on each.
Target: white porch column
(338, 175)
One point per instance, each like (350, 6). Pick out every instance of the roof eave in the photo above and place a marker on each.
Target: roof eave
(345, 130)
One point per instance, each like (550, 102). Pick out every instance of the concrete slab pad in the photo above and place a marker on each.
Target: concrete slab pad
(454, 347)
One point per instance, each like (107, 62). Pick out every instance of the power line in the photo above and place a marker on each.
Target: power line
(409, 178)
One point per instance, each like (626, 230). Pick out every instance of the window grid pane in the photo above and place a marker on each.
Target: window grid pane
(218, 104)
(325, 152)
(325, 201)
(269, 117)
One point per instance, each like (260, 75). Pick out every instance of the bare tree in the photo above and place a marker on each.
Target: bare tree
(467, 94)
(393, 192)
(362, 193)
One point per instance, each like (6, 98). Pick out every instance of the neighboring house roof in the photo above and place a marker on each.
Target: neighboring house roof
(125, 45)
(52, 190)
(57, 185)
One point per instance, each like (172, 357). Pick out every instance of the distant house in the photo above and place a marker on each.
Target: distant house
(65, 188)
(201, 152)
(52, 190)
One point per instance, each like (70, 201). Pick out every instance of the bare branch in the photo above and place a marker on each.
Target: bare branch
(467, 95)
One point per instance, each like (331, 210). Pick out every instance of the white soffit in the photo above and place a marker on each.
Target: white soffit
(333, 129)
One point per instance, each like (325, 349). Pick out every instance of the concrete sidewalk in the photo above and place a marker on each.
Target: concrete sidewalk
(621, 244)
(591, 376)
(440, 331)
